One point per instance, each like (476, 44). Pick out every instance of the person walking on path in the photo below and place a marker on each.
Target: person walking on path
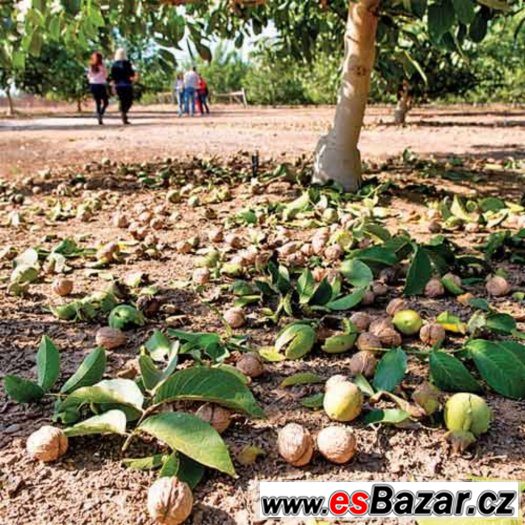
(123, 75)
(202, 95)
(191, 80)
(97, 78)
(178, 92)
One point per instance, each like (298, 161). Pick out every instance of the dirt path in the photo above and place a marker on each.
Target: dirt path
(46, 141)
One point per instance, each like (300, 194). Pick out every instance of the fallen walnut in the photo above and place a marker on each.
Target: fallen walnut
(368, 342)
(170, 501)
(364, 363)
(110, 338)
(250, 364)
(427, 396)
(47, 443)
(235, 317)
(497, 286)
(361, 320)
(62, 286)
(434, 288)
(396, 305)
(432, 334)
(337, 444)
(295, 445)
(219, 418)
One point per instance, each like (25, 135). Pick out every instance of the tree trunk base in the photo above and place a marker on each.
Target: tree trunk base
(335, 162)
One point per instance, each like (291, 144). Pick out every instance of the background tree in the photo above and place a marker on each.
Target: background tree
(302, 26)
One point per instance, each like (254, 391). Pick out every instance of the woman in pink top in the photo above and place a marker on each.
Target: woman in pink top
(97, 76)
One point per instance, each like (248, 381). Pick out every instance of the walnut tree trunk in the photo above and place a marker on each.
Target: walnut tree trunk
(337, 156)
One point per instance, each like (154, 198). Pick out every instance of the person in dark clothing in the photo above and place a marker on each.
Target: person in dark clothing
(97, 77)
(122, 77)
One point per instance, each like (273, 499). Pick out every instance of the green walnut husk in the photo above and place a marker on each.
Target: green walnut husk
(295, 340)
(343, 401)
(341, 342)
(467, 416)
(408, 322)
(124, 317)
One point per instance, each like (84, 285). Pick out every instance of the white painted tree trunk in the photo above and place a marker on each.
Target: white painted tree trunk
(337, 156)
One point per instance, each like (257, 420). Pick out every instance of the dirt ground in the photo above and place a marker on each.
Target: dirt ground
(63, 139)
(89, 485)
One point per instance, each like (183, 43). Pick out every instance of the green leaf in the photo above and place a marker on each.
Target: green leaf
(478, 27)
(363, 385)
(449, 374)
(22, 390)
(90, 371)
(347, 302)
(419, 273)
(390, 370)
(111, 422)
(440, 19)
(392, 416)
(314, 401)
(158, 345)
(107, 392)
(451, 286)
(465, 10)
(322, 294)
(271, 354)
(357, 273)
(305, 286)
(170, 466)
(147, 463)
(516, 348)
(189, 471)
(47, 363)
(301, 378)
(209, 384)
(151, 375)
(451, 323)
(376, 254)
(193, 437)
(498, 5)
(501, 323)
(500, 367)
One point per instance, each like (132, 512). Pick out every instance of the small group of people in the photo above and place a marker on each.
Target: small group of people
(190, 90)
(119, 80)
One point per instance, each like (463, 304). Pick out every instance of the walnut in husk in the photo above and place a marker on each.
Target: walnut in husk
(343, 401)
